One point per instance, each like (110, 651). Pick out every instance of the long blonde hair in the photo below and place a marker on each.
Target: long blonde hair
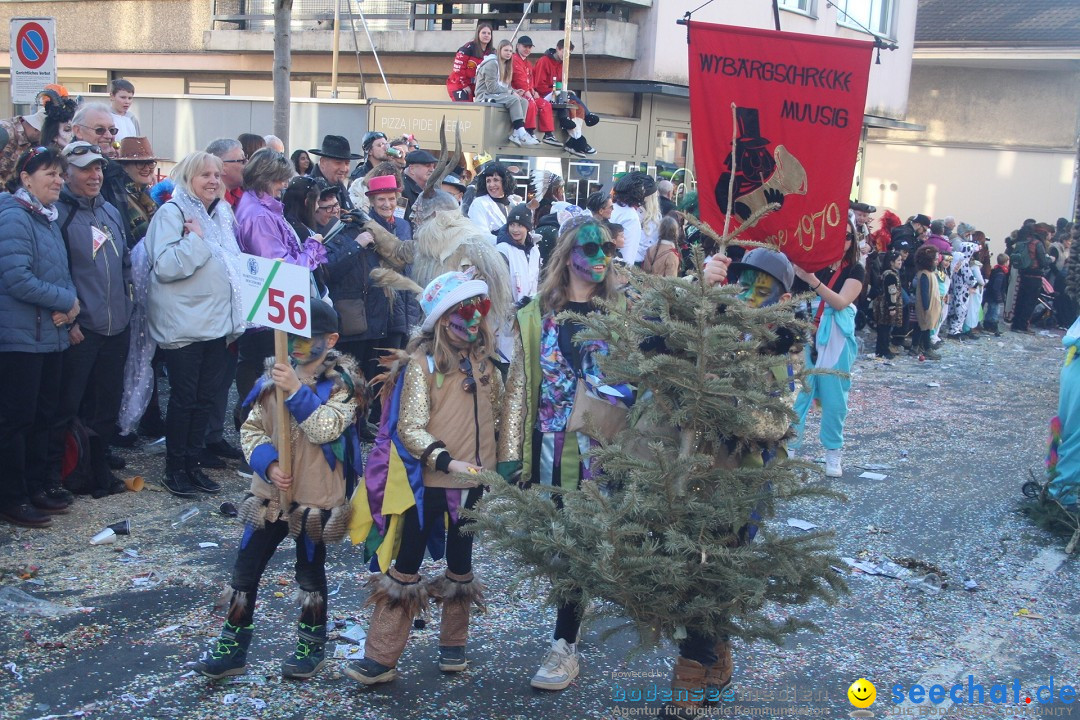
(436, 342)
(557, 276)
(506, 67)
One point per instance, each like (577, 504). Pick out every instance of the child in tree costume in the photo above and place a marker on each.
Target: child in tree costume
(453, 406)
(704, 665)
(323, 392)
(661, 532)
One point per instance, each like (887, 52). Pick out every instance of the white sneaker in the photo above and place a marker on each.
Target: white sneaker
(832, 463)
(515, 138)
(559, 668)
(528, 138)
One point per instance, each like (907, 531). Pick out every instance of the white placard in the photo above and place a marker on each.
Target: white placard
(275, 294)
(33, 57)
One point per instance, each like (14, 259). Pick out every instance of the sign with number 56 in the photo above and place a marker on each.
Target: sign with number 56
(275, 294)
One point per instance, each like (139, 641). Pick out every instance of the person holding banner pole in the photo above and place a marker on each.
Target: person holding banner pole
(833, 348)
(300, 489)
(194, 310)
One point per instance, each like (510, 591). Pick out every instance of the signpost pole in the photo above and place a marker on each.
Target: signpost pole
(282, 421)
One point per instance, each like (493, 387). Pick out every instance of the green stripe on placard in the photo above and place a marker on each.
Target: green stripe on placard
(262, 292)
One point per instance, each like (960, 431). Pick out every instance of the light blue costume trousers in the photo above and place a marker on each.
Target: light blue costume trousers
(830, 390)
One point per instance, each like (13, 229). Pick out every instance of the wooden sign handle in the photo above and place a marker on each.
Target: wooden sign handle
(282, 421)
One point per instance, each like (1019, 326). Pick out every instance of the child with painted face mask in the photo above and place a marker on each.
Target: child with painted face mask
(705, 664)
(578, 273)
(453, 408)
(308, 502)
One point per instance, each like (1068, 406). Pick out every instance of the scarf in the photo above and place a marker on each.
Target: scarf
(34, 205)
(217, 232)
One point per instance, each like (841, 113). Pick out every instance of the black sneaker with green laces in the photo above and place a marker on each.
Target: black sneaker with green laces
(310, 653)
(228, 656)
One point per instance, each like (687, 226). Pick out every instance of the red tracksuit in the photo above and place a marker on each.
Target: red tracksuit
(539, 112)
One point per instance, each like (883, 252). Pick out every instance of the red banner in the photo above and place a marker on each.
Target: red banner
(799, 106)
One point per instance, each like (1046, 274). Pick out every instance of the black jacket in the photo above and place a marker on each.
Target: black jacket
(112, 190)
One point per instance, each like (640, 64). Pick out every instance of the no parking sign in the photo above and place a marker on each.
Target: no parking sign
(33, 57)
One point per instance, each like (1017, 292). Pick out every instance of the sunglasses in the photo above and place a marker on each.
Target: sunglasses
(82, 150)
(30, 155)
(242, 161)
(101, 130)
(591, 248)
(471, 307)
(469, 383)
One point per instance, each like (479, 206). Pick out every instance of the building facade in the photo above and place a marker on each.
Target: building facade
(996, 87)
(635, 63)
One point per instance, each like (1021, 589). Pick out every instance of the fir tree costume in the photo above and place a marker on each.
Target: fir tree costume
(664, 540)
(433, 425)
(326, 460)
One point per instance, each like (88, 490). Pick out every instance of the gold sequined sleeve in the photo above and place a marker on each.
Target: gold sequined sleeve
(415, 414)
(252, 432)
(510, 412)
(330, 420)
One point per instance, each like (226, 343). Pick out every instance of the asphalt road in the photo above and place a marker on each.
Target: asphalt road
(954, 457)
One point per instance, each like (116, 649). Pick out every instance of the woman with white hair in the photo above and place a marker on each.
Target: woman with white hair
(193, 310)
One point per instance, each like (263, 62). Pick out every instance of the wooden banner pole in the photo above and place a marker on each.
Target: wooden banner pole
(282, 421)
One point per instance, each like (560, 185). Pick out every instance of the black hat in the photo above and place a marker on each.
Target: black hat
(862, 207)
(527, 41)
(324, 318)
(749, 128)
(335, 146)
(420, 157)
(370, 138)
(922, 220)
(520, 214)
(325, 188)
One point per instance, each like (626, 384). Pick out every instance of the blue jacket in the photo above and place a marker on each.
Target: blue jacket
(406, 310)
(102, 277)
(34, 280)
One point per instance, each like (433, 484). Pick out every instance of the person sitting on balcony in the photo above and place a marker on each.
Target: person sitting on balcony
(548, 72)
(463, 75)
(493, 77)
(539, 112)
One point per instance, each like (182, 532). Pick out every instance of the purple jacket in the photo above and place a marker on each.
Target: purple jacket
(941, 243)
(261, 229)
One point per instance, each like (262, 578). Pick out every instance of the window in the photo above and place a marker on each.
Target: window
(873, 15)
(208, 87)
(806, 7)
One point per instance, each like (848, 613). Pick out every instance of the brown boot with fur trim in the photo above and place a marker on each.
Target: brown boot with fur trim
(398, 599)
(718, 675)
(687, 689)
(457, 594)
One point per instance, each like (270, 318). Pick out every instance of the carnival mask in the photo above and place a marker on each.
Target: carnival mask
(591, 256)
(760, 289)
(465, 319)
(303, 350)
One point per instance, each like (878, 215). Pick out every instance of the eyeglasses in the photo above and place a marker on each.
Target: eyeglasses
(82, 150)
(242, 161)
(591, 248)
(468, 309)
(30, 155)
(329, 208)
(469, 383)
(99, 131)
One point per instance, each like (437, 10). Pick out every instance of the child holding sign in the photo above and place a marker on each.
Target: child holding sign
(323, 391)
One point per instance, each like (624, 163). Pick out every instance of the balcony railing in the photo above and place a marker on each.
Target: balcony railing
(258, 15)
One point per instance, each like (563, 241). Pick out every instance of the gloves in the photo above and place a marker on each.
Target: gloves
(509, 471)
